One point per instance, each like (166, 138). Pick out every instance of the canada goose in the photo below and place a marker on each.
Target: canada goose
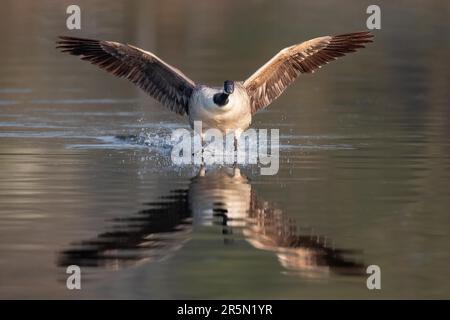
(230, 107)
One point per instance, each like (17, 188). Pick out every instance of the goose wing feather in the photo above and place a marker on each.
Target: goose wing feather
(163, 82)
(269, 82)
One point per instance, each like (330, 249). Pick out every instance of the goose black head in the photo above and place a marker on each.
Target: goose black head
(228, 86)
(221, 98)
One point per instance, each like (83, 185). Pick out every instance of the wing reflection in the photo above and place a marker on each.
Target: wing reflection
(151, 234)
(221, 196)
(309, 254)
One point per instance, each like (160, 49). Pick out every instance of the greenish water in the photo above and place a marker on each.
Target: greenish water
(86, 177)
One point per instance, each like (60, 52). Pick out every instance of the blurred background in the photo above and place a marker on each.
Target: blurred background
(86, 177)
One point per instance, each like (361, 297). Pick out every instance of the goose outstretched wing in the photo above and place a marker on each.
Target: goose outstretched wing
(163, 82)
(269, 82)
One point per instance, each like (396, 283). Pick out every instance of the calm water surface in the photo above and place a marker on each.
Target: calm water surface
(86, 177)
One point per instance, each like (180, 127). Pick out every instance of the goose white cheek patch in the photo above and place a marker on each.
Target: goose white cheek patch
(211, 146)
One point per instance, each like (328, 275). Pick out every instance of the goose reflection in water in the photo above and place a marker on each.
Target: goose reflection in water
(221, 196)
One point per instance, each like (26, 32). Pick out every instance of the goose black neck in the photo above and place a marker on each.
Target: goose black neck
(221, 99)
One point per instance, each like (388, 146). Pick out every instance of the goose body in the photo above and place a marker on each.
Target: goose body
(235, 115)
(230, 107)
